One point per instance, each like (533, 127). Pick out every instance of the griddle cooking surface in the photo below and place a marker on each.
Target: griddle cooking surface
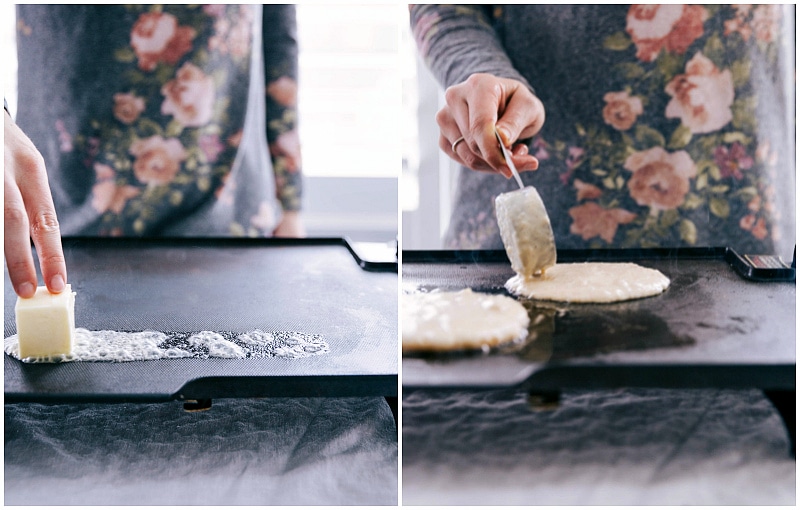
(710, 328)
(315, 286)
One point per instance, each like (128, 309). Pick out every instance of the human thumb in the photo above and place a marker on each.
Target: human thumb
(523, 117)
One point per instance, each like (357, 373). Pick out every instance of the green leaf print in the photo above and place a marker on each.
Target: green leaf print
(736, 136)
(688, 231)
(649, 137)
(669, 218)
(714, 172)
(630, 70)
(173, 129)
(669, 64)
(124, 55)
(680, 138)
(747, 193)
(617, 41)
(204, 184)
(740, 71)
(743, 109)
(701, 182)
(176, 197)
(714, 50)
(148, 128)
(692, 201)
(719, 207)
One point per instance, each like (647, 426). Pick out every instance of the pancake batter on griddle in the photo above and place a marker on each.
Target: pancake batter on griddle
(444, 321)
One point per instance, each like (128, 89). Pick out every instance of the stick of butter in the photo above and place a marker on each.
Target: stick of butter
(46, 323)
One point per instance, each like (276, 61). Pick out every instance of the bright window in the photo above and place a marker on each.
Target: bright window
(349, 99)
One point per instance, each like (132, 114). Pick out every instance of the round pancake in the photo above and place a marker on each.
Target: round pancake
(591, 282)
(446, 321)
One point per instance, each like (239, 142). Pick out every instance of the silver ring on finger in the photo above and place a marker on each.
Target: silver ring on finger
(455, 144)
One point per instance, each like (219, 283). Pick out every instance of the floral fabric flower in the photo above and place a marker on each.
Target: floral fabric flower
(621, 110)
(283, 91)
(763, 21)
(591, 220)
(660, 179)
(731, 161)
(211, 147)
(158, 160)
(127, 107)
(189, 97)
(702, 96)
(106, 195)
(756, 226)
(287, 147)
(157, 37)
(669, 27)
(586, 190)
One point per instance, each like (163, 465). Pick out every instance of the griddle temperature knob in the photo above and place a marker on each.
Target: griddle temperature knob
(762, 268)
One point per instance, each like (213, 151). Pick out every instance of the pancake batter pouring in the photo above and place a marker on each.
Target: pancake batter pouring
(530, 246)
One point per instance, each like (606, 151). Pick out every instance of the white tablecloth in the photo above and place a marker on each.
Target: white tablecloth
(311, 451)
(626, 447)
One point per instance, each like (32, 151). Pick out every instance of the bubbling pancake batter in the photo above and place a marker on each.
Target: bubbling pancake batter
(591, 282)
(444, 321)
(119, 346)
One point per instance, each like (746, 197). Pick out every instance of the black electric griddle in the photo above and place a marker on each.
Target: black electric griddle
(314, 286)
(710, 328)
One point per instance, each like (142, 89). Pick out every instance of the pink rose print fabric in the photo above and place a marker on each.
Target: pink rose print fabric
(189, 97)
(621, 110)
(660, 180)
(672, 28)
(157, 160)
(144, 106)
(701, 97)
(662, 121)
(157, 37)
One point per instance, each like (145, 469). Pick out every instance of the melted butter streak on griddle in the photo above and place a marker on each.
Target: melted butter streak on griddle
(120, 346)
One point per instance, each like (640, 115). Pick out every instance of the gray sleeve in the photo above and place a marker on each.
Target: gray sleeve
(456, 41)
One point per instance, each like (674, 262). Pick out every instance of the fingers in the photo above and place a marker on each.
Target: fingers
(523, 116)
(30, 214)
(290, 225)
(473, 107)
(17, 244)
(46, 236)
(522, 160)
(471, 114)
(449, 133)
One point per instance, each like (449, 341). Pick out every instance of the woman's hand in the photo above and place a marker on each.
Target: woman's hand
(290, 225)
(474, 107)
(29, 213)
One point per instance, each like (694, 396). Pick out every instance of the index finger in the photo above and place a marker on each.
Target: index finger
(44, 227)
(485, 103)
(17, 243)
